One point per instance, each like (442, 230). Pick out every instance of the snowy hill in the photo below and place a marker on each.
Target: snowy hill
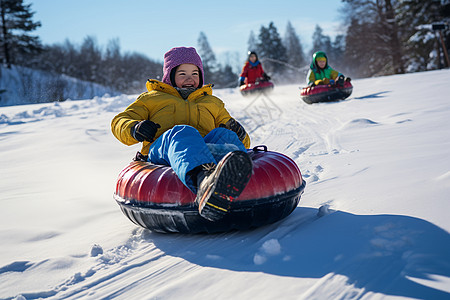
(20, 85)
(377, 165)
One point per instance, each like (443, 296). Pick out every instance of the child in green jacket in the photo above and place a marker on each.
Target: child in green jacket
(320, 73)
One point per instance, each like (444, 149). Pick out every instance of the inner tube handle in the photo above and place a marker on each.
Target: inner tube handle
(260, 148)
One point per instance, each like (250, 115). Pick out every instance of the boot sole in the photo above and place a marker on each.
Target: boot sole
(227, 184)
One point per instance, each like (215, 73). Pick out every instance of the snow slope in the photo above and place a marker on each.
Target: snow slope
(20, 85)
(372, 224)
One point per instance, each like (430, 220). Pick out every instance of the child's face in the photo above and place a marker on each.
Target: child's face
(252, 58)
(187, 75)
(321, 63)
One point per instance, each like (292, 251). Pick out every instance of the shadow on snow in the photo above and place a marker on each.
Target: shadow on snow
(379, 253)
(372, 96)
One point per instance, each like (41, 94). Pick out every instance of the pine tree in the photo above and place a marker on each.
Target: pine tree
(389, 23)
(321, 42)
(337, 54)
(208, 58)
(214, 72)
(252, 42)
(263, 43)
(294, 49)
(271, 49)
(16, 22)
(226, 77)
(365, 53)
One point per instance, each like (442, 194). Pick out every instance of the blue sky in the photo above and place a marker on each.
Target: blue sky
(153, 27)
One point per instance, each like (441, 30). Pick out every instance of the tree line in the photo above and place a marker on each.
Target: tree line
(107, 66)
(124, 72)
(393, 37)
(381, 37)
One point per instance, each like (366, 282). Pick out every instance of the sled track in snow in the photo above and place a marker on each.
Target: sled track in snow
(138, 261)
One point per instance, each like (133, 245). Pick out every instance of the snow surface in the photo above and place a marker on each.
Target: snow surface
(20, 85)
(373, 222)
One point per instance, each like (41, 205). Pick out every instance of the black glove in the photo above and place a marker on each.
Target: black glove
(340, 80)
(266, 77)
(241, 83)
(140, 157)
(235, 126)
(144, 130)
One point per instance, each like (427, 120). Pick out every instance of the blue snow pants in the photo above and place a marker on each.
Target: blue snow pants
(183, 149)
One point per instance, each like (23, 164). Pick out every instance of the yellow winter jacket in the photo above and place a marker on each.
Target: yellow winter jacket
(163, 104)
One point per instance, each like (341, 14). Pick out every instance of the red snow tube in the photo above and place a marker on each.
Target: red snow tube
(326, 93)
(258, 86)
(153, 197)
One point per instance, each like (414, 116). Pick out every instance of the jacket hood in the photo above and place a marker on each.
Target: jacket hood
(178, 56)
(317, 55)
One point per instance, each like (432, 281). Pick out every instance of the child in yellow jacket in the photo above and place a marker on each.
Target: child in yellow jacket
(178, 122)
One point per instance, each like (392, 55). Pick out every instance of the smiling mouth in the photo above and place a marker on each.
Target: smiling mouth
(188, 85)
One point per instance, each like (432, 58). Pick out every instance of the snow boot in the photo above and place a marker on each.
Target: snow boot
(219, 186)
(340, 82)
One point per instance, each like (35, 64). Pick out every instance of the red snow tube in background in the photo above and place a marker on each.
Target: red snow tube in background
(153, 197)
(258, 86)
(326, 93)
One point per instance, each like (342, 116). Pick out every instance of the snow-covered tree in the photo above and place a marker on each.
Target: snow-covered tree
(422, 45)
(374, 34)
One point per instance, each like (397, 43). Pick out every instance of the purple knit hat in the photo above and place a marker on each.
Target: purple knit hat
(178, 56)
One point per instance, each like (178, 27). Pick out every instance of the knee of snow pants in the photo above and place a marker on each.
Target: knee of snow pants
(183, 149)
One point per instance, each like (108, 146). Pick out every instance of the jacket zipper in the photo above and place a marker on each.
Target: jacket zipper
(188, 112)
